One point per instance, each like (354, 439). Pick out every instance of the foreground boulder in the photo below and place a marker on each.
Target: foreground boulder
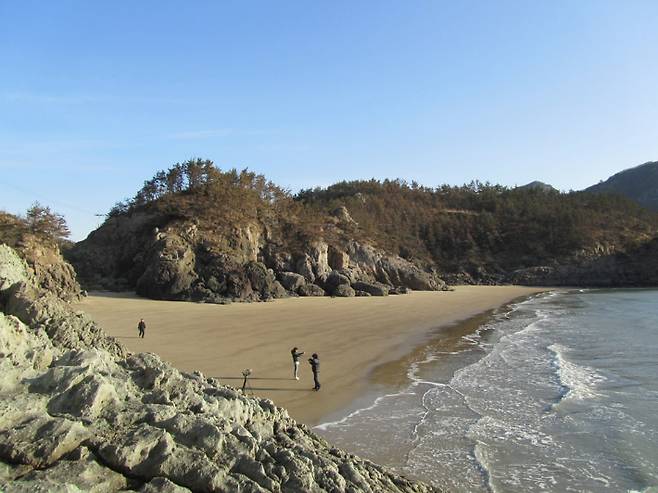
(78, 413)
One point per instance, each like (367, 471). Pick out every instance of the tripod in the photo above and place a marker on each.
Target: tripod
(245, 384)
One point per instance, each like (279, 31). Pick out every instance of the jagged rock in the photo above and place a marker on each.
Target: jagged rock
(52, 272)
(39, 440)
(319, 258)
(169, 272)
(304, 266)
(13, 269)
(291, 280)
(343, 215)
(332, 280)
(338, 259)
(375, 289)
(375, 265)
(75, 331)
(162, 485)
(262, 281)
(361, 293)
(398, 272)
(35, 353)
(70, 476)
(311, 290)
(343, 291)
(42, 263)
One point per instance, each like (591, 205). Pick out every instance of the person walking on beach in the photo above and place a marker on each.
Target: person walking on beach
(141, 326)
(295, 362)
(315, 367)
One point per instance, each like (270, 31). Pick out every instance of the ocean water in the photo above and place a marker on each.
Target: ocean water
(556, 393)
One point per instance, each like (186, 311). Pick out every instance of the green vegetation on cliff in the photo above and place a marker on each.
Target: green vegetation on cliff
(486, 226)
(39, 222)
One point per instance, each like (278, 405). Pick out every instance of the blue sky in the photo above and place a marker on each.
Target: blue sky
(95, 97)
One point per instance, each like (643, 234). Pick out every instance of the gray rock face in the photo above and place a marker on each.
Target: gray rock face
(176, 259)
(331, 281)
(343, 291)
(176, 269)
(599, 267)
(374, 289)
(44, 266)
(304, 266)
(291, 280)
(338, 259)
(75, 416)
(70, 330)
(311, 290)
(13, 269)
(170, 270)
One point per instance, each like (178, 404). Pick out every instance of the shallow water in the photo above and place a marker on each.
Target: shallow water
(559, 393)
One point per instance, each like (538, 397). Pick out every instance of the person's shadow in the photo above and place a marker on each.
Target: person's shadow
(254, 378)
(281, 389)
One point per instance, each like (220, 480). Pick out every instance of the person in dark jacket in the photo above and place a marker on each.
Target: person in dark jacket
(295, 362)
(315, 367)
(141, 326)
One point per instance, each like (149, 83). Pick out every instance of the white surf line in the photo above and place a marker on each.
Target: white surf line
(324, 426)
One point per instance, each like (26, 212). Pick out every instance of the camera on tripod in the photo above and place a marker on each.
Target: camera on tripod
(245, 373)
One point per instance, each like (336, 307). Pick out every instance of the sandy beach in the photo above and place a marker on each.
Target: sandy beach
(352, 336)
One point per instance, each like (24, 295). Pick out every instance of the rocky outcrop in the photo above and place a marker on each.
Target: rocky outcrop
(47, 267)
(375, 265)
(78, 413)
(177, 260)
(600, 267)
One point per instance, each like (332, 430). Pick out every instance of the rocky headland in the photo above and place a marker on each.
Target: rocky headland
(179, 259)
(79, 413)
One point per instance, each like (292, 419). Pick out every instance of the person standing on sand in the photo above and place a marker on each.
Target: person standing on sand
(295, 362)
(141, 326)
(315, 367)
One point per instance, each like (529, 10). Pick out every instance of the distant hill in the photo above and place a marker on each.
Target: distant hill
(538, 185)
(639, 184)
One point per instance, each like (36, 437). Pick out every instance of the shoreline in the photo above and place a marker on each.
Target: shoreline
(392, 375)
(356, 338)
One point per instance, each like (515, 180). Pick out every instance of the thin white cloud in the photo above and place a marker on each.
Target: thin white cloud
(37, 98)
(201, 134)
(21, 146)
(26, 97)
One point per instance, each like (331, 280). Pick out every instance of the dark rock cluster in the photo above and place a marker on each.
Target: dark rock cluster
(178, 261)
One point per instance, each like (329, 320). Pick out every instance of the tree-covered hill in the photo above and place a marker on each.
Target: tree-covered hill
(483, 227)
(639, 184)
(197, 232)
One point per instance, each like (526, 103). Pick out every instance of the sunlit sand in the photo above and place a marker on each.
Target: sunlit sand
(351, 335)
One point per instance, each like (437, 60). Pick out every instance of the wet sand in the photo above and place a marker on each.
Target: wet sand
(352, 336)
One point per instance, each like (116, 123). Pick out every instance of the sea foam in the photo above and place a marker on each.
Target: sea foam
(579, 382)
